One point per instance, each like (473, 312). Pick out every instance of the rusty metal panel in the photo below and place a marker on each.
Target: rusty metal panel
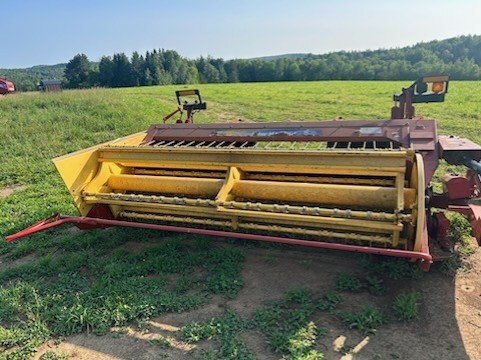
(416, 134)
(455, 149)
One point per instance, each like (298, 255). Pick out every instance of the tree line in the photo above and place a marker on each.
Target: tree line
(459, 57)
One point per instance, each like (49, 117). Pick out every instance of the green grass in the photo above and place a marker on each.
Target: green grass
(288, 327)
(392, 268)
(464, 244)
(89, 281)
(406, 306)
(84, 291)
(286, 324)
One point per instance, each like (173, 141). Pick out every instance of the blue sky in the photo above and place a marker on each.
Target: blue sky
(53, 31)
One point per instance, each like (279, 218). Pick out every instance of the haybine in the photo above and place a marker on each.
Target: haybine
(360, 185)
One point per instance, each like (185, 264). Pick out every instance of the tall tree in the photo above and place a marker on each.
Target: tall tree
(106, 71)
(123, 72)
(77, 72)
(138, 66)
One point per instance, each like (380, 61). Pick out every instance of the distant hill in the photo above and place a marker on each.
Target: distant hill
(27, 78)
(294, 56)
(459, 57)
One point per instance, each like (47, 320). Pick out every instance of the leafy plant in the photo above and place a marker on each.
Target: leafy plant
(450, 265)
(197, 331)
(161, 341)
(348, 282)
(329, 301)
(366, 320)
(77, 291)
(51, 355)
(287, 325)
(392, 268)
(374, 285)
(302, 342)
(459, 227)
(225, 329)
(224, 267)
(406, 306)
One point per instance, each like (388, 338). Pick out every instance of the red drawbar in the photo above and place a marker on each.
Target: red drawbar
(424, 258)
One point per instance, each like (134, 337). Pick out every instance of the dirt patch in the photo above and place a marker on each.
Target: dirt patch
(449, 326)
(9, 190)
(468, 306)
(133, 246)
(4, 263)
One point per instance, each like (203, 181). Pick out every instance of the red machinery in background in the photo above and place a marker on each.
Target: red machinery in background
(6, 87)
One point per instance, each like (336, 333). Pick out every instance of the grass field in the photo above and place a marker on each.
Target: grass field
(60, 283)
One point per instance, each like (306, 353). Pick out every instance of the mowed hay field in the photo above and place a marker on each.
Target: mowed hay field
(136, 294)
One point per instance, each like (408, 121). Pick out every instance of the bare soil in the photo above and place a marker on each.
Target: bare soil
(9, 190)
(449, 326)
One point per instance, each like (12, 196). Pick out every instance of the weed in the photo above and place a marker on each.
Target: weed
(143, 325)
(235, 348)
(406, 306)
(161, 341)
(392, 268)
(302, 342)
(348, 282)
(467, 248)
(77, 291)
(299, 296)
(51, 355)
(374, 285)
(365, 320)
(287, 326)
(209, 354)
(451, 265)
(118, 333)
(224, 267)
(183, 284)
(459, 227)
(329, 301)
(197, 331)
(371, 283)
(225, 329)
(460, 231)
(21, 341)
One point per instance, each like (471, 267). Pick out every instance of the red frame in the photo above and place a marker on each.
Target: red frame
(425, 259)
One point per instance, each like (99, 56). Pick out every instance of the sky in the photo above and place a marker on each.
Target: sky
(52, 31)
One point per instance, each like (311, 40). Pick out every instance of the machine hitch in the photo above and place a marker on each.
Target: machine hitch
(183, 103)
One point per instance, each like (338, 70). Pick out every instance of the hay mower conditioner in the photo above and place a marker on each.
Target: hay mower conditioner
(360, 185)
